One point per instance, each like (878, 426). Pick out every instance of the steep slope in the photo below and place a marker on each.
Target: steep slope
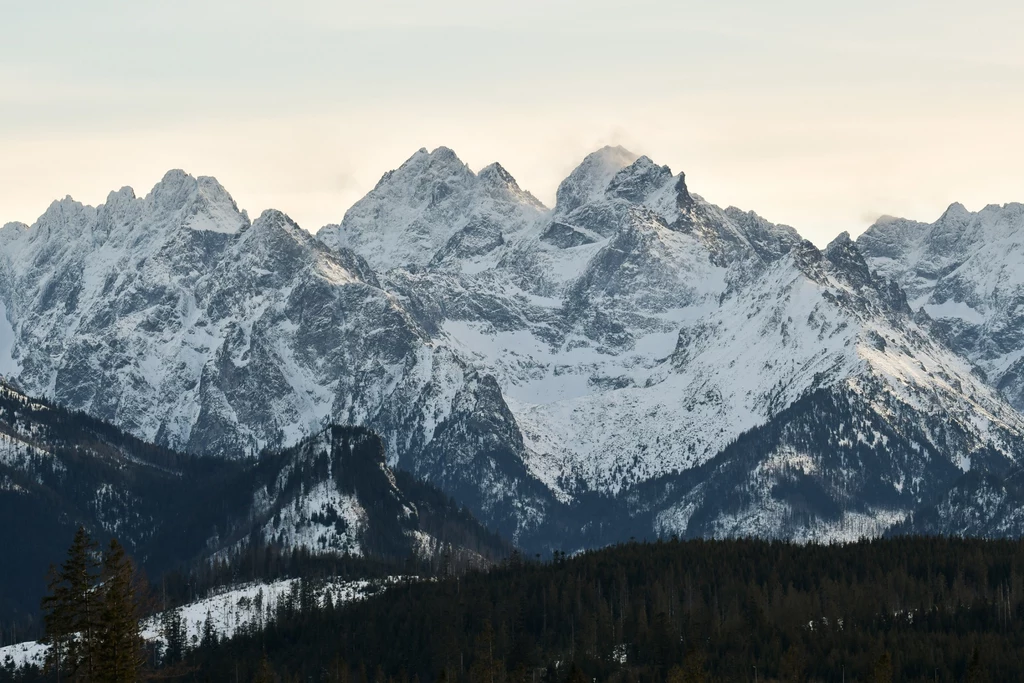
(433, 210)
(178, 320)
(964, 271)
(175, 318)
(592, 297)
(817, 410)
(332, 493)
(805, 324)
(638, 330)
(60, 469)
(980, 504)
(834, 466)
(532, 363)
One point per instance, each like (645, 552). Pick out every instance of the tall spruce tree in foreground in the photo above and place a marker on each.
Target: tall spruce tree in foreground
(71, 611)
(92, 616)
(120, 652)
(56, 618)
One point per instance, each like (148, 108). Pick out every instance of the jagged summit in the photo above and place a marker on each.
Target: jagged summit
(278, 219)
(203, 203)
(496, 175)
(431, 209)
(963, 271)
(439, 160)
(589, 180)
(177, 201)
(843, 253)
(841, 241)
(637, 181)
(525, 358)
(119, 197)
(441, 154)
(955, 211)
(66, 217)
(229, 302)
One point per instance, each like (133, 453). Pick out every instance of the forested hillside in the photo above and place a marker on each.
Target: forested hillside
(330, 495)
(905, 609)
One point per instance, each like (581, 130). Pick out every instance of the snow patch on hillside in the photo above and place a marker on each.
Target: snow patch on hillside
(323, 519)
(8, 366)
(249, 607)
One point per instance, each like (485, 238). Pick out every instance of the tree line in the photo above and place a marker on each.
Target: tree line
(906, 609)
(901, 609)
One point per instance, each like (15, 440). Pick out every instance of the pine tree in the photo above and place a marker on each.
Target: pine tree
(57, 620)
(209, 637)
(174, 635)
(883, 669)
(265, 673)
(71, 611)
(976, 671)
(120, 654)
(486, 667)
(691, 671)
(794, 664)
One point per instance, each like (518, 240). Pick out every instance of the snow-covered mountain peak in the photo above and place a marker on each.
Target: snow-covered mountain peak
(636, 182)
(418, 163)
(496, 174)
(964, 271)
(434, 210)
(955, 212)
(174, 190)
(634, 331)
(125, 195)
(278, 250)
(424, 167)
(886, 218)
(604, 191)
(502, 186)
(11, 233)
(590, 179)
(274, 236)
(843, 253)
(443, 155)
(202, 203)
(66, 214)
(273, 219)
(841, 241)
(959, 244)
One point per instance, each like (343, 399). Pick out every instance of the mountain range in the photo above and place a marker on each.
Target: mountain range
(634, 361)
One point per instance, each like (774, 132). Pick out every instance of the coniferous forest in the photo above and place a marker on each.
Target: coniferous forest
(903, 609)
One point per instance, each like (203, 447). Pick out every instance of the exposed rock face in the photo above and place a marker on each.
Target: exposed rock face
(434, 210)
(964, 271)
(179, 320)
(528, 361)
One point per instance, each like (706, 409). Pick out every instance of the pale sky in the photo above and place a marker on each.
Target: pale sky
(817, 114)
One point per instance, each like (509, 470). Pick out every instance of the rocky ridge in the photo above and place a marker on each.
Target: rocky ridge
(526, 360)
